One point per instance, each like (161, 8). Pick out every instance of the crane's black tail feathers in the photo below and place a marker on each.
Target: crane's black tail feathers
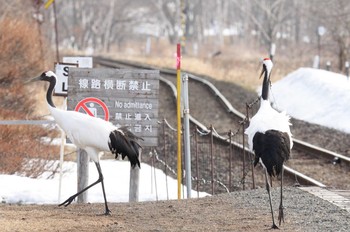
(273, 148)
(124, 142)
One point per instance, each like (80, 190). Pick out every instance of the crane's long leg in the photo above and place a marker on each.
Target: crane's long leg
(268, 188)
(100, 179)
(280, 213)
(108, 212)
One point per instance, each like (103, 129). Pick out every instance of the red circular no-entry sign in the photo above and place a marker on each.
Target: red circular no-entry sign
(90, 111)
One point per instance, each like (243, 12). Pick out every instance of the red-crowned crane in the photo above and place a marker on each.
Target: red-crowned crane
(92, 134)
(270, 138)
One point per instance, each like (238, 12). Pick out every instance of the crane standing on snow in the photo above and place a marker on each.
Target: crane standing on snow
(270, 138)
(94, 135)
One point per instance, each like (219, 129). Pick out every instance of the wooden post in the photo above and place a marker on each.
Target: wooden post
(82, 174)
(211, 159)
(230, 161)
(134, 183)
(56, 32)
(243, 143)
(197, 163)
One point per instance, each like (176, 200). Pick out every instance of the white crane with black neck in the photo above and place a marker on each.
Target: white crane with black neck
(270, 138)
(92, 134)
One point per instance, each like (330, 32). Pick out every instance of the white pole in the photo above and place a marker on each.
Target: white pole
(272, 51)
(347, 69)
(316, 63)
(63, 142)
(187, 136)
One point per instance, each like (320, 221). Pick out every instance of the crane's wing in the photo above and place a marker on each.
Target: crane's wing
(84, 130)
(124, 142)
(272, 148)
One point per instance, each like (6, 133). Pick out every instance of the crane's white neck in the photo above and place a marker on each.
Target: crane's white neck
(268, 64)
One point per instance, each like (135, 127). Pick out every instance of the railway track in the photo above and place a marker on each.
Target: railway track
(198, 84)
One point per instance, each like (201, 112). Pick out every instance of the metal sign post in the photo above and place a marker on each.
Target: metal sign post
(187, 136)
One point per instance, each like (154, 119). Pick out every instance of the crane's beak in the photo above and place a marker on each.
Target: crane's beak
(262, 71)
(32, 80)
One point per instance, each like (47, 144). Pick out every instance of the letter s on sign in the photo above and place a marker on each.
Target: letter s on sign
(65, 73)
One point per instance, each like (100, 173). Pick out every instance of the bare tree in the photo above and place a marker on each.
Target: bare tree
(270, 18)
(169, 13)
(106, 23)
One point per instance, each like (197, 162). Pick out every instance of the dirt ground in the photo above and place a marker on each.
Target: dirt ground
(161, 216)
(202, 215)
(238, 211)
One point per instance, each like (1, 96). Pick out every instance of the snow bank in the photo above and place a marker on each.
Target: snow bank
(17, 189)
(316, 96)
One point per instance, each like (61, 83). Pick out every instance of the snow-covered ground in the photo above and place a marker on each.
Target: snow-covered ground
(316, 96)
(17, 189)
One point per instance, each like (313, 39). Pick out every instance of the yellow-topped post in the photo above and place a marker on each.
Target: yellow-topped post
(179, 147)
(48, 3)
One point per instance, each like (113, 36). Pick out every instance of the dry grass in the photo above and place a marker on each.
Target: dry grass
(237, 64)
(21, 59)
(22, 143)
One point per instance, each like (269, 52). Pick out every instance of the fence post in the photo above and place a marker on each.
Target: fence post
(211, 159)
(82, 174)
(230, 162)
(197, 163)
(134, 182)
(243, 143)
